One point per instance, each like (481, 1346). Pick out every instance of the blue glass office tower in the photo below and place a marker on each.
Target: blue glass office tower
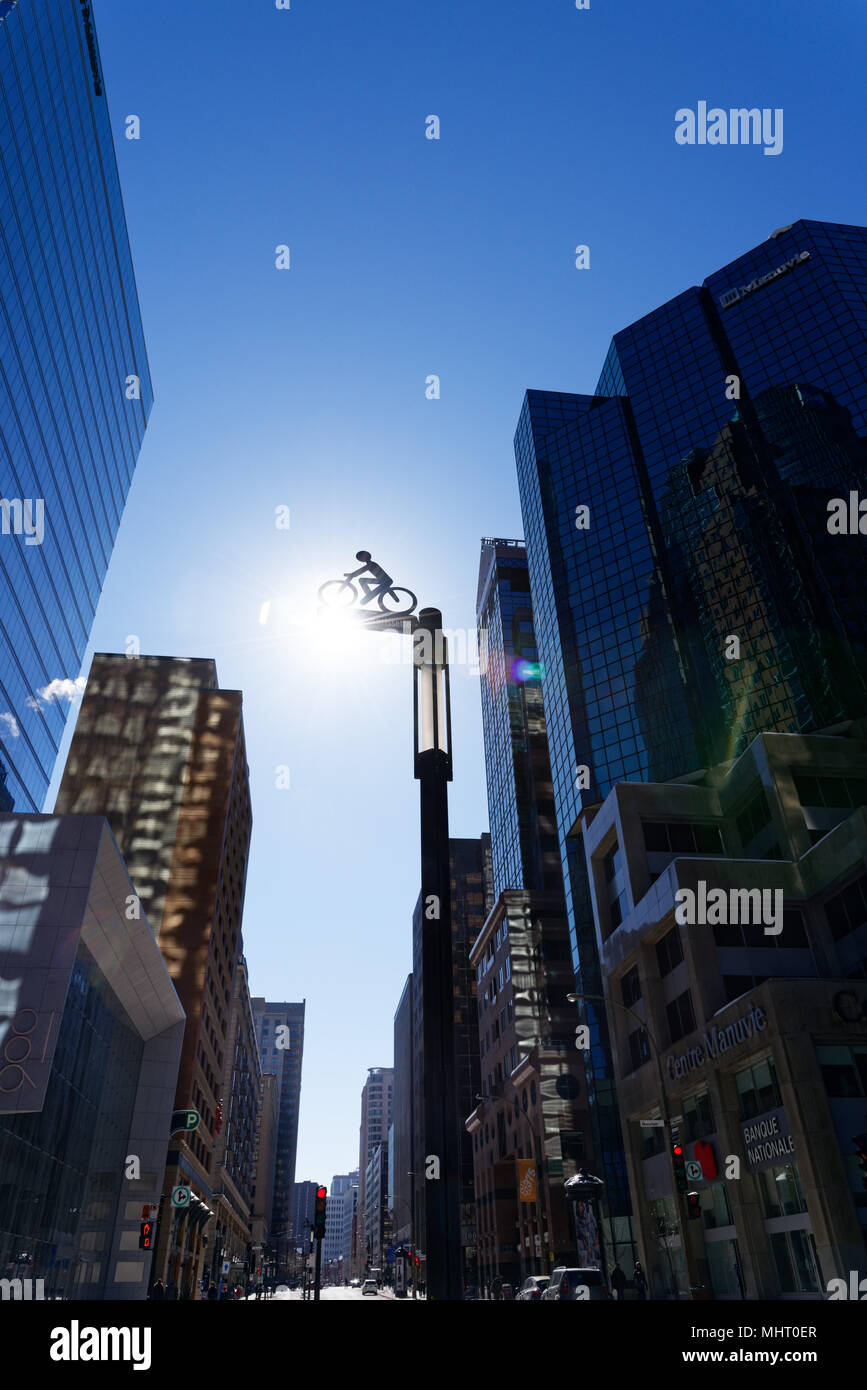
(524, 842)
(722, 425)
(75, 390)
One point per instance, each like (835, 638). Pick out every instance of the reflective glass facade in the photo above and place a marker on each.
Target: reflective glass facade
(524, 842)
(722, 425)
(71, 418)
(62, 1169)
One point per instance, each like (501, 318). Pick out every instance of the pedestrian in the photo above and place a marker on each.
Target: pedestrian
(618, 1282)
(212, 1293)
(496, 1288)
(158, 1292)
(640, 1281)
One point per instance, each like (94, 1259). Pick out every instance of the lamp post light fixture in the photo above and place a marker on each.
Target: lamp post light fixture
(432, 766)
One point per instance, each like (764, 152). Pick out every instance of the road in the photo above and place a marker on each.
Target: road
(341, 1295)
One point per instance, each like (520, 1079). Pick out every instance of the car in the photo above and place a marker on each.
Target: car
(533, 1287)
(369, 1286)
(566, 1280)
(355, 1283)
(471, 1293)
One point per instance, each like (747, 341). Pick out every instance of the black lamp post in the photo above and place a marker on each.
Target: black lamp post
(433, 770)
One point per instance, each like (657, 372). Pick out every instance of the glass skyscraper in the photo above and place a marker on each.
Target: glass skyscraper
(75, 389)
(687, 590)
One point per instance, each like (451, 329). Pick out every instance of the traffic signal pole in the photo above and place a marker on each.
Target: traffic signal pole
(318, 1275)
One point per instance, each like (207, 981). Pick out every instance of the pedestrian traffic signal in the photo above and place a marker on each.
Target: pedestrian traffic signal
(860, 1142)
(145, 1235)
(693, 1205)
(319, 1213)
(679, 1158)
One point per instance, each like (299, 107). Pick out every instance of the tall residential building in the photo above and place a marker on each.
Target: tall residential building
(687, 590)
(159, 751)
(738, 943)
(92, 1029)
(377, 1099)
(280, 1034)
(472, 899)
(75, 391)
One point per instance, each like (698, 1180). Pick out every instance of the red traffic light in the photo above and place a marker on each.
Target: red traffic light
(321, 1193)
(677, 1150)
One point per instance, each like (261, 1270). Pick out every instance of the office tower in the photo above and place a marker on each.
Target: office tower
(266, 1153)
(471, 900)
(159, 751)
(280, 1034)
(377, 1098)
(235, 1158)
(522, 961)
(687, 591)
(737, 944)
(75, 392)
(525, 847)
(301, 1213)
(92, 1029)
(402, 1189)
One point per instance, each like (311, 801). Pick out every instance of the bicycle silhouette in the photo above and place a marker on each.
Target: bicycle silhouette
(342, 593)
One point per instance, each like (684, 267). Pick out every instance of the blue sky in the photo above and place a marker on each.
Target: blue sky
(306, 387)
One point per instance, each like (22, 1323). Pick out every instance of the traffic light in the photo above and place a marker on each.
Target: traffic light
(860, 1142)
(679, 1158)
(693, 1205)
(319, 1213)
(145, 1235)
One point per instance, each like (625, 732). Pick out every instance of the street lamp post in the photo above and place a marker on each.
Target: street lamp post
(433, 771)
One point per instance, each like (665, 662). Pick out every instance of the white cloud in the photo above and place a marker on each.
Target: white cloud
(10, 723)
(61, 688)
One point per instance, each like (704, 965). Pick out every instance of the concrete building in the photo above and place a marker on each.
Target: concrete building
(91, 1028)
(266, 1152)
(234, 1186)
(377, 1100)
(335, 1251)
(402, 1150)
(731, 917)
(159, 751)
(350, 1220)
(303, 1210)
(377, 1217)
(280, 1035)
(528, 1134)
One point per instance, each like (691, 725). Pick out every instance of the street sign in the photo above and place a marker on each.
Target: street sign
(225, 1266)
(184, 1119)
(181, 1196)
(652, 1124)
(693, 1172)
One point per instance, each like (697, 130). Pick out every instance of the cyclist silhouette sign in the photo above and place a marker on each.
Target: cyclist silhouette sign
(373, 582)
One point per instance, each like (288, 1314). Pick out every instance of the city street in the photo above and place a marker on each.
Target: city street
(341, 1295)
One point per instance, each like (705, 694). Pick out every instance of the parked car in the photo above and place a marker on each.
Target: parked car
(369, 1286)
(565, 1283)
(533, 1287)
(355, 1283)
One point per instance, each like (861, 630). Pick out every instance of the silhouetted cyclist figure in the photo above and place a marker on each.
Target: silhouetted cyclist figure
(373, 588)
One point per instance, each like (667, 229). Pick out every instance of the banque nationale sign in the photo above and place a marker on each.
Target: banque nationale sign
(716, 1042)
(732, 296)
(767, 1140)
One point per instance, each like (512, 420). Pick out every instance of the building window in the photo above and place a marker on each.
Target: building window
(836, 793)
(630, 987)
(669, 952)
(697, 1116)
(510, 1009)
(652, 1140)
(639, 1048)
(757, 1089)
(753, 818)
(508, 967)
(847, 911)
(794, 1255)
(844, 1071)
(781, 1191)
(681, 1019)
(681, 837)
